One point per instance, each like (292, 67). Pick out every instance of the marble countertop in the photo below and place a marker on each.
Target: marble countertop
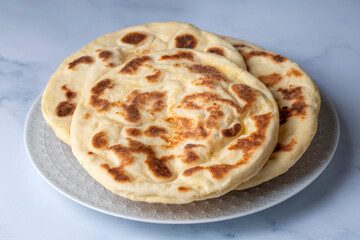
(322, 36)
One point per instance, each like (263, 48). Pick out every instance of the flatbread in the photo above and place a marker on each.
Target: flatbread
(299, 104)
(65, 86)
(174, 126)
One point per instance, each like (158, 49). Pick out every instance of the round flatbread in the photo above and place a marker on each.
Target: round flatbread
(174, 126)
(299, 104)
(65, 86)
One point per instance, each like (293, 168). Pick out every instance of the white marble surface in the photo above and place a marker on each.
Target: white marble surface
(322, 36)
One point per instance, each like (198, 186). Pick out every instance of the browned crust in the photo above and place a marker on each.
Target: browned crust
(105, 55)
(216, 50)
(294, 73)
(220, 171)
(98, 90)
(286, 147)
(99, 140)
(215, 115)
(136, 100)
(245, 93)
(155, 131)
(232, 131)
(81, 60)
(186, 41)
(297, 108)
(117, 173)
(183, 189)
(156, 165)
(154, 77)
(132, 66)
(134, 38)
(270, 80)
(255, 139)
(189, 155)
(210, 75)
(188, 101)
(66, 108)
(247, 145)
(133, 132)
(258, 53)
(190, 171)
(179, 55)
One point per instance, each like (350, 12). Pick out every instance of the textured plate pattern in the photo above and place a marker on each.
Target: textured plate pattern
(55, 162)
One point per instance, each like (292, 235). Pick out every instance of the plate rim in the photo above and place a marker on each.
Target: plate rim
(281, 199)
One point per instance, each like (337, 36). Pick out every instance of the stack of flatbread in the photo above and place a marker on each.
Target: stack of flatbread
(166, 112)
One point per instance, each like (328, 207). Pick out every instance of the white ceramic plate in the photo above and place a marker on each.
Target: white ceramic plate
(56, 164)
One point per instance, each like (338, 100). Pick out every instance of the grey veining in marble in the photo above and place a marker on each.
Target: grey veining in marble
(322, 36)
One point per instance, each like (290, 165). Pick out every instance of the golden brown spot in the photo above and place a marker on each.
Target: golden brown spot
(133, 132)
(102, 104)
(276, 58)
(181, 122)
(285, 147)
(184, 128)
(183, 189)
(101, 86)
(185, 41)
(215, 114)
(176, 65)
(189, 101)
(293, 72)
(155, 131)
(245, 93)
(117, 173)
(190, 171)
(97, 91)
(136, 100)
(125, 157)
(298, 108)
(65, 109)
(156, 165)
(132, 113)
(254, 140)
(87, 116)
(210, 75)
(241, 45)
(105, 55)
(154, 77)
(232, 131)
(68, 93)
(90, 153)
(279, 58)
(134, 38)
(132, 66)
(81, 60)
(123, 153)
(179, 55)
(219, 171)
(216, 50)
(189, 154)
(99, 140)
(271, 79)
